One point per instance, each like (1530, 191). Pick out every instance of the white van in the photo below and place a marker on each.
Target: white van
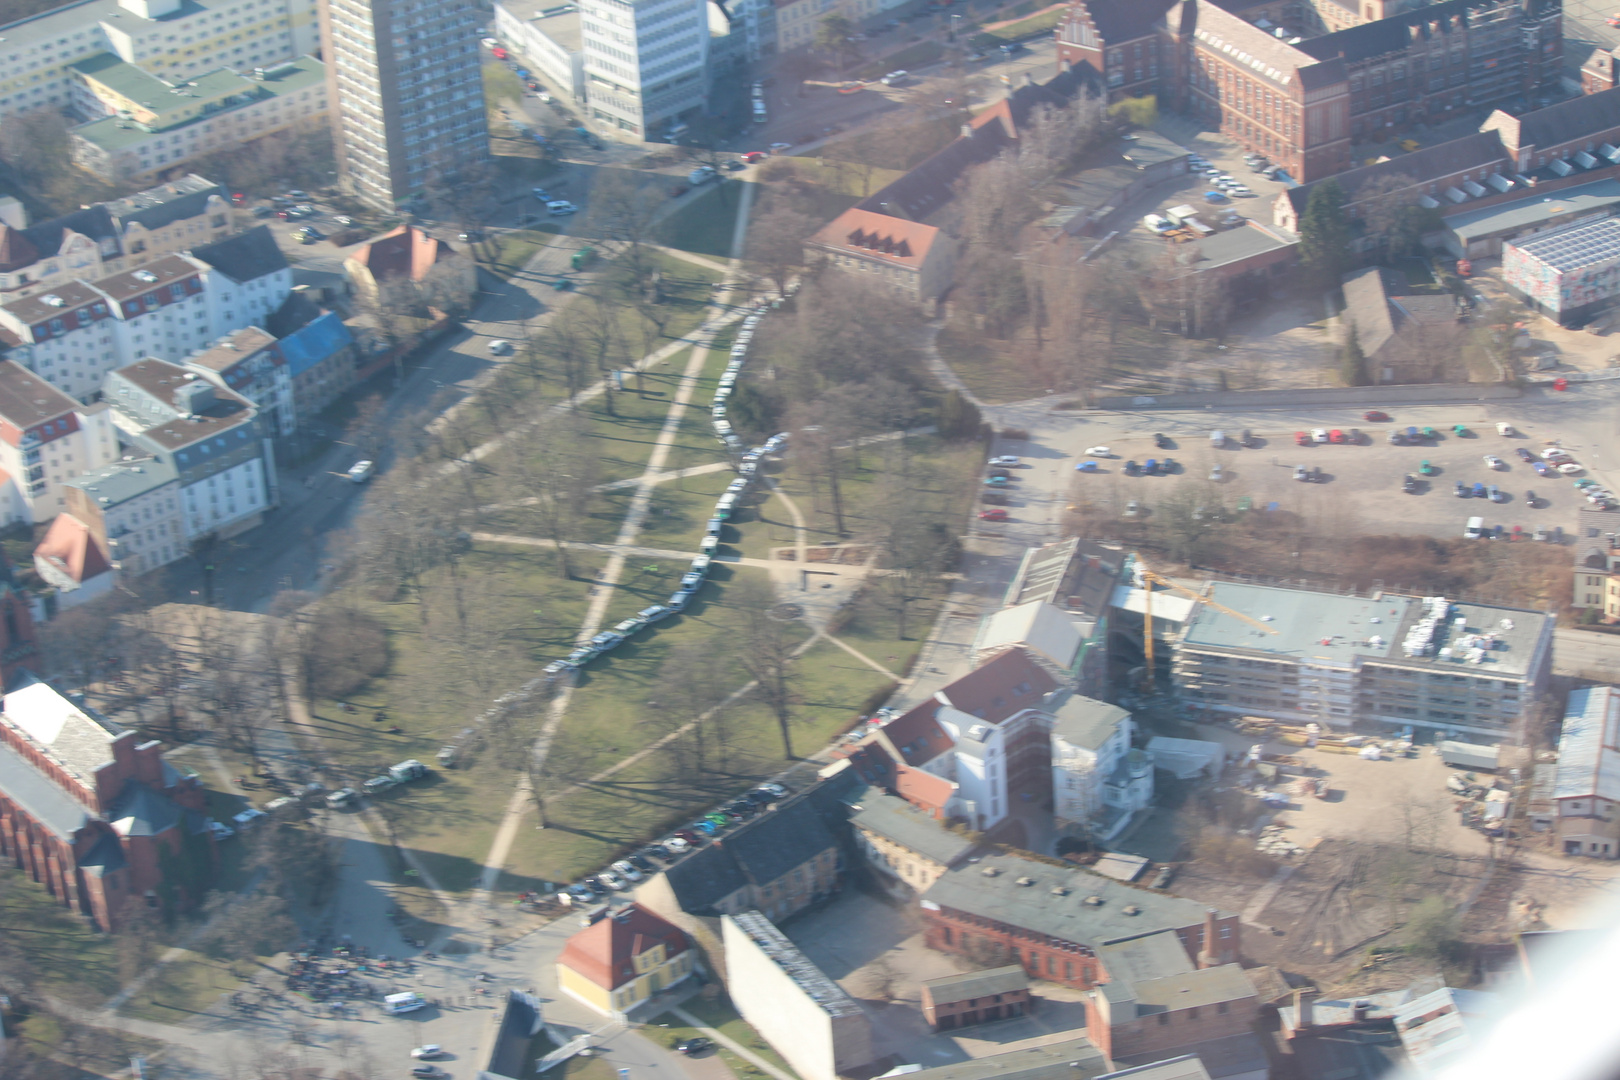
(1475, 529)
(410, 1001)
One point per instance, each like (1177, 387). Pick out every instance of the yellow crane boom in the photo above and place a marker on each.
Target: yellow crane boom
(1150, 579)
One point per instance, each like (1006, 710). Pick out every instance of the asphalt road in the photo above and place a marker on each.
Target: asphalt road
(1585, 654)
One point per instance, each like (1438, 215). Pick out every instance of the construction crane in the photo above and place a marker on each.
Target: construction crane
(1150, 579)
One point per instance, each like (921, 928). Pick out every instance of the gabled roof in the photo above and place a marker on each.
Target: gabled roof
(786, 836)
(140, 811)
(1265, 56)
(406, 250)
(1150, 956)
(1578, 118)
(1125, 20)
(1040, 627)
(93, 221)
(864, 232)
(71, 548)
(924, 790)
(915, 736)
(604, 952)
(27, 400)
(245, 256)
(896, 820)
(1070, 1059)
(1394, 34)
(232, 349)
(76, 738)
(38, 795)
(105, 856)
(314, 343)
(997, 689)
(167, 203)
(16, 250)
(1483, 149)
(1366, 305)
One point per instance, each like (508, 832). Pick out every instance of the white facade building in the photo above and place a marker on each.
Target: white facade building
(646, 63)
(248, 363)
(133, 510)
(46, 439)
(547, 36)
(247, 279)
(214, 438)
(1098, 780)
(177, 39)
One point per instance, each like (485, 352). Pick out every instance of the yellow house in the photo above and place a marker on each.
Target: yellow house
(623, 959)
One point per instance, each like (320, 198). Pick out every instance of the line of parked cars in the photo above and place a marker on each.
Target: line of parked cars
(654, 857)
(747, 468)
(1224, 183)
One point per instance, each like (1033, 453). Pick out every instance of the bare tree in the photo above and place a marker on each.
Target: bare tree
(693, 683)
(554, 467)
(776, 242)
(769, 657)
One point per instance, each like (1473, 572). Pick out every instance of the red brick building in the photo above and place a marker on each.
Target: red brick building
(1053, 920)
(90, 811)
(1157, 1001)
(978, 997)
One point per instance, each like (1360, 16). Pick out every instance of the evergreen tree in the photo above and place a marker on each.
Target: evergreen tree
(1324, 235)
(1353, 362)
(959, 418)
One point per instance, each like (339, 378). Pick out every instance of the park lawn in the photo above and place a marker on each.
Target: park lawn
(914, 56)
(182, 988)
(991, 373)
(624, 439)
(432, 693)
(59, 947)
(707, 224)
(1038, 23)
(720, 1014)
(590, 827)
(677, 514)
(874, 630)
(87, 1051)
(514, 249)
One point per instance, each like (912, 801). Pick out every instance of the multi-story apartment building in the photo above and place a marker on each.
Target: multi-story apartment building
(1597, 563)
(750, 24)
(215, 440)
(72, 337)
(249, 363)
(405, 93)
(1587, 789)
(1384, 661)
(110, 237)
(646, 62)
(547, 35)
(247, 278)
(1098, 780)
(46, 439)
(1301, 82)
(176, 39)
(146, 124)
(132, 508)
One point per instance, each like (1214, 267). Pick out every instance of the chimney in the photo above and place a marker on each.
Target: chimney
(1303, 1019)
(1360, 1010)
(1208, 957)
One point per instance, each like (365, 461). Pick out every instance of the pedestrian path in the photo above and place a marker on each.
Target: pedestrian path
(734, 1046)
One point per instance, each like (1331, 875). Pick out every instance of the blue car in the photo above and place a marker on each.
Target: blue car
(1150, 467)
(1479, 491)
(1088, 466)
(1215, 197)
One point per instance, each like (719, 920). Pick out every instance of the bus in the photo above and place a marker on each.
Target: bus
(760, 116)
(394, 1004)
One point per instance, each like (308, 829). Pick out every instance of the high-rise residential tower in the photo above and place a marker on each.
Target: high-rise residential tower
(405, 93)
(646, 61)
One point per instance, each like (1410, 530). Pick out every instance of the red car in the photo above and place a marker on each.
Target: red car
(499, 53)
(754, 156)
(238, 198)
(1302, 438)
(1337, 436)
(1373, 416)
(994, 514)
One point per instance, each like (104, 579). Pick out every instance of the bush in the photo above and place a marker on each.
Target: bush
(777, 169)
(1432, 929)
(345, 649)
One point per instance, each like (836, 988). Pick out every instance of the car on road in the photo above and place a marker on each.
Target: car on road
(995, 514)
(1319, 435)
(695, 1045)
(1087, 466)
(342, 797)
(428, 1051)
(894, 78)
(430, 1071)
(1524, 455)
(1005, 461)
(1409, 483)
(361, 471)
(561, 208)
(754, 156)
(1494, 462)
(501, 347)
(1302, 438)
(1300, 473)
(778, 147)
(1373, 416)
(1099, 451)
(1216, 474)
(1459, 489)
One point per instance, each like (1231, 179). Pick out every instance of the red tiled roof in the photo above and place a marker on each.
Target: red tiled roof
(927, 792)
(406, 250)
(603, 952)
(1003, 686)
(15, 250)
(869, 233)
(914, 737)
(70, 547)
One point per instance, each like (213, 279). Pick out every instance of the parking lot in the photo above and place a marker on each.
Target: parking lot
(1359, 484)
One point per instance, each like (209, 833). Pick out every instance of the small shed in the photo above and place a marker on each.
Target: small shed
(1471, 756)
(974, 998)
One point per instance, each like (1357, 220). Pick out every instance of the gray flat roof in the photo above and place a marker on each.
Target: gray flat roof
(1586, 768)
(1087, 722)
(38, 795)
(1150, 148)
(1192, 989)
(1535, 210)
(1151, 956)
(794, 964)
(1071, 1059)
(1235, 245)
(978, 984)
(1066, 915)
(895, 819)
(559, 22)
(1577, 246)
(1327, 629)
(114, 484)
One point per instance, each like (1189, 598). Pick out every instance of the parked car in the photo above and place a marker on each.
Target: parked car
(1524, 455)
(361, 471)
(996, 514)
(433, 1050)
(1494, 462)
(1099, 451)
(1005, 461)
(627, 870)
(695, 1045)
(561, 208)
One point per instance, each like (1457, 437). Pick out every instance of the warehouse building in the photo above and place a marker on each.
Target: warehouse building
(1385, 660)
(1569, 275)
